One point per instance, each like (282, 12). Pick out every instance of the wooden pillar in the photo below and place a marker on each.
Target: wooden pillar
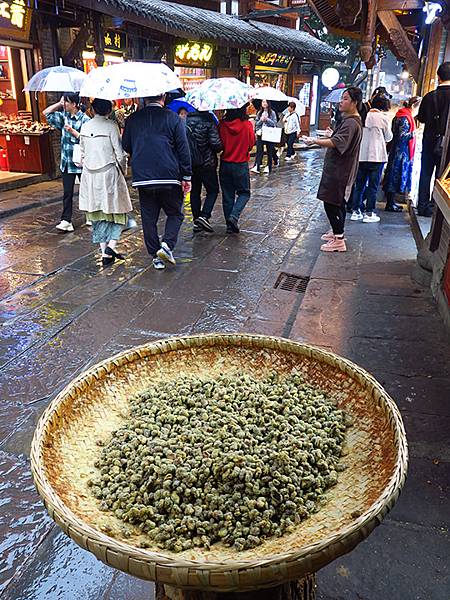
(368, 31)
(400, 40)
(430, 58)
(303, 589)
(97, 32)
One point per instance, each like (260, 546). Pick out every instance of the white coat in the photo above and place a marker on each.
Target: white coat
(376, 133)
(103, 186)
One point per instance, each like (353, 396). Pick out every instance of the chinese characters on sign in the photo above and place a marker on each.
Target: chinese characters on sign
(194, 53)
(14, 11)
(270, 61)
(114, 40)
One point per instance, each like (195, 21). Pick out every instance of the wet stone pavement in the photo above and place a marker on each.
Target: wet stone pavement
(60, 312)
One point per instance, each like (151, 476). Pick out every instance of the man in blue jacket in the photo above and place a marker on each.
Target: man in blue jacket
(155, 138)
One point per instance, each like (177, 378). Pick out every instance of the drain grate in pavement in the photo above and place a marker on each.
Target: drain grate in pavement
(292, 283)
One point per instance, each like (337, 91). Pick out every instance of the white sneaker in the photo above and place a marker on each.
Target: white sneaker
(356, 216)
(88, 223)
(266, 170)
(165, 254)
(371, 218)
(65, 226)
(159, 264)
(289, 158)
(254, 169)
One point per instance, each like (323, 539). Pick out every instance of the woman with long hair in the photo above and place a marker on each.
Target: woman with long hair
(238, 138)
(398, 176)
(103, 189)
(340, 167)
(264, 117)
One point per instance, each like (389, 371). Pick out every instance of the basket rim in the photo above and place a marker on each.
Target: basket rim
(368, 520)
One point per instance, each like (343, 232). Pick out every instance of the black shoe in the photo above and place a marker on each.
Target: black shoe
(204, 224)
(393, 208)
(114, 254)
(232, 225)
(425, 212)
(107, 260)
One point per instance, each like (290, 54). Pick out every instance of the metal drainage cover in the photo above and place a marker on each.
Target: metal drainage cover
(292, 283)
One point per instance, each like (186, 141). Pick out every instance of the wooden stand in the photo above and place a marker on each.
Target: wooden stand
(303, 589)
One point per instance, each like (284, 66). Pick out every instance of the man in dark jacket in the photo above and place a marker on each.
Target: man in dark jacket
(433, 112)
(205, 144)
(155, 137)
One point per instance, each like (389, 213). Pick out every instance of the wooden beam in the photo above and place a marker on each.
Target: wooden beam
(400, 4)
(404, 49)
(428, 80)
(368, 24)
(77, 46)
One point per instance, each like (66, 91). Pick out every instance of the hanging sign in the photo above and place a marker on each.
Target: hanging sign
(15, 19)
(114, 40)
(270, 61)
(194, 53)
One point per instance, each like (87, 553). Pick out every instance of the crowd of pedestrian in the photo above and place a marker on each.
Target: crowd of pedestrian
(173, 153)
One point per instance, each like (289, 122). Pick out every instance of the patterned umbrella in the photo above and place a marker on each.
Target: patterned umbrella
(220, 94)
(56, 79)
(129, 80)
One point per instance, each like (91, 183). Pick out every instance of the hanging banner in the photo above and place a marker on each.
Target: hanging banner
(15, 19)
(270, 61)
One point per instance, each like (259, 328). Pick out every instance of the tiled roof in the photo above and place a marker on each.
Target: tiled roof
(197, 23)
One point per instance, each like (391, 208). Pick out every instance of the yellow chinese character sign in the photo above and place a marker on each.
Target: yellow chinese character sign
(15, 19)
(114, 40)
(194, 53)
(270, 61)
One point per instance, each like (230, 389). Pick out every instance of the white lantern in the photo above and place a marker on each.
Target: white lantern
(330, 77)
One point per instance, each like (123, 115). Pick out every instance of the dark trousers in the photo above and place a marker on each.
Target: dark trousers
(260, 152)
(336, 216)
(429, 162)
(369, 174)
(235, 184)
(68, 185)
(168, 198)
(291, 137)
(206, 176)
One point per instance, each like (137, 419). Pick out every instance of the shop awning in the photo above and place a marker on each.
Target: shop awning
(189, 22)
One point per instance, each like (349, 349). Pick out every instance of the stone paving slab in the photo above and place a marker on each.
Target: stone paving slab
(399, 561)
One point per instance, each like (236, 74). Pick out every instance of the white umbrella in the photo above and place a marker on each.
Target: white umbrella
(335, 96)
(129, 80)
(220, 94)
(56, 79)
(277, 98)
(271, 94)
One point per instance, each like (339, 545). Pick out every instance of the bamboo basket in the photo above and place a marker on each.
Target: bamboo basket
(64, 450)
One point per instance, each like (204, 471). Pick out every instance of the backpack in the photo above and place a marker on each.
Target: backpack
(196, 153)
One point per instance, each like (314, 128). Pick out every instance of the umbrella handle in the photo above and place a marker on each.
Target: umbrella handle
(61, 62)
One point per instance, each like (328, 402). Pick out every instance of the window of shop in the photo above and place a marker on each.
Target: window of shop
(24, 143)
(194, 63)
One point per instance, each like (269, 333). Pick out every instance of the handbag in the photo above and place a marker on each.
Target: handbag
(76, 156)
(271, 134)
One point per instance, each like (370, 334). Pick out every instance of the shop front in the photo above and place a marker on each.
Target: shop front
(114, 49)
(194, 62)
(272, 69)
(24, 143)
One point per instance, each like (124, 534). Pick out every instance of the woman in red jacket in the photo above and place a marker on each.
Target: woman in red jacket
(238, 138)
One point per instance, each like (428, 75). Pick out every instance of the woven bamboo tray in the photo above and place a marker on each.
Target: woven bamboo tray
(64, 450)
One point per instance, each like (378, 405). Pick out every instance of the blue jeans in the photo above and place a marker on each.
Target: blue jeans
(369, 173)
(291, 137)
(235, 183)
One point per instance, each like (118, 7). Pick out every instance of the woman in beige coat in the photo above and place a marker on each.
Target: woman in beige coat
(103, 189)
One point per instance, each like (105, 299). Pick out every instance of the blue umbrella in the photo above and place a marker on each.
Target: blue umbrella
(335, 96)
(176, 105)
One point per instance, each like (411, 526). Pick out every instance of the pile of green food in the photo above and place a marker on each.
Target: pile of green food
(231, 459)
